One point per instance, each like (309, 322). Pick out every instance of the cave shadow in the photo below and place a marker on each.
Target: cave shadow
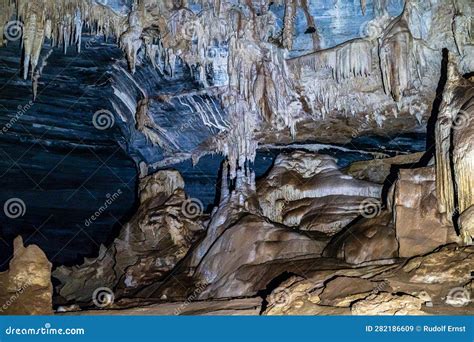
(271, 286)
(430, 132)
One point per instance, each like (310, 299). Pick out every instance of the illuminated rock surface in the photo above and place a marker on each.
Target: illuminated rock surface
(261, 157)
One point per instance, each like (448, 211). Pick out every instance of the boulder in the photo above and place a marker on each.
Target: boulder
(419, 225)
(323, 291)
(436, 272)
(26, 288)
(369, 239)
(342, 291)
(438, 282)
(249, 247)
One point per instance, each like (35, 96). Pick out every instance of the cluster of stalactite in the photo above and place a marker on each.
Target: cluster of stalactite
(238, 47)
(62, 22)
(256, 83)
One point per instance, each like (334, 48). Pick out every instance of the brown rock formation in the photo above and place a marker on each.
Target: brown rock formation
(369, 239)
(26, 289)
(438, 282)
(420, 227)
(148, 247)
(455, 147)
(318, 182)
(253, 246)
(377, 170)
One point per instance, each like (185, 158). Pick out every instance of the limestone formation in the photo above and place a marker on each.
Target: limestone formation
(369, 239)
(377, 170)
(419, 226)
(388, 304)
(252, 246)
(466, 223)
(147, 248)
(454, 142)
(422, 285)
(214, 89)
(26, 288)
(301, 175)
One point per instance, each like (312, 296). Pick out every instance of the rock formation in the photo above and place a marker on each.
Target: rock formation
(147, 248)
(368, 239)
(417, 287)
(420, 227)
(26, 289)
(311, 147)
(301, 182)
(377, 170)
(454, 142)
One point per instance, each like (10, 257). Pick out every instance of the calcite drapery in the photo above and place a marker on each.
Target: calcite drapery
(455, 147)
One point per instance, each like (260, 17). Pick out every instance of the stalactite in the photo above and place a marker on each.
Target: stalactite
(395, 52)
(363, 6)
(351, 59)
(289, 24)
(311, 25)
(131, 41)
(61, 21)
(225, 181)
(38, 73)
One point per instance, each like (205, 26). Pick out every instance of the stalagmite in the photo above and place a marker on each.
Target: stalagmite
(455, 146)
